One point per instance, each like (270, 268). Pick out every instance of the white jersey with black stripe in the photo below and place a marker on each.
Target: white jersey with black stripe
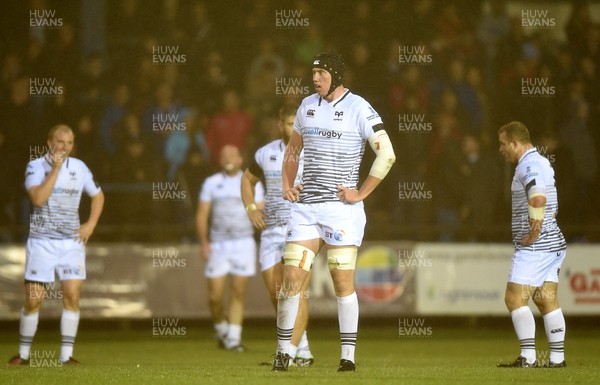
(334, 136)
(58, 218)
(535, 175)
(270, 158)
(228, 216)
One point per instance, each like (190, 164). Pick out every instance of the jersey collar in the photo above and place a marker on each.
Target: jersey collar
(526, 153)
(335, 101)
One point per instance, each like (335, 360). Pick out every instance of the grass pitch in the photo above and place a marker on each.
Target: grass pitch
(447, 356)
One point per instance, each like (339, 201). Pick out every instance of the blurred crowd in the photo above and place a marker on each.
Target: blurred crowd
(154, 89)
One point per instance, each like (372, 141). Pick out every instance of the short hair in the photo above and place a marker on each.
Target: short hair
(287, 110)
(516, 131)
(59, 127)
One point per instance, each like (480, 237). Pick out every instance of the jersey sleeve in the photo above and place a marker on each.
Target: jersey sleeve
(34, 175)
(256, 166)
(259, 192)
(531, 177)
(206, 191)
(367, 118)
(90, 186)
(298, 120)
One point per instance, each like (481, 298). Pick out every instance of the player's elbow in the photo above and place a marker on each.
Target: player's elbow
(38, 202)
(537, 201)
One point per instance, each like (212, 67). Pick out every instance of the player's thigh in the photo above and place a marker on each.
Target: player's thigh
(273, 278)
(71, 263)
(546, 297)
(517, 295)
(342, 224)
(71, 289)
(238, 285)
(41, 260)
(216, 287)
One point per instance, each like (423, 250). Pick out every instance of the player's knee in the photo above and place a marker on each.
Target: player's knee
(298, 255)
(514, 301)
(342, 258)
(545, 301)
(71, 302)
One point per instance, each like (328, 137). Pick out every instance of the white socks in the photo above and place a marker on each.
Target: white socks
(221, 329)
(525, 327)
(69, 321)
(234, 336)
(348, 319)
(27, 329)
(287, 310)
(554, 323)
(304, 348)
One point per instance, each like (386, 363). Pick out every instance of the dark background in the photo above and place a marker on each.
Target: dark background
(102, 54)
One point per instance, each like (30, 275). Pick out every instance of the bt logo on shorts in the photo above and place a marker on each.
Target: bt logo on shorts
(338, 235)
(75, 271)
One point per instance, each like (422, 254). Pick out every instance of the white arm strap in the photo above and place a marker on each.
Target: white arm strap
(380, 143)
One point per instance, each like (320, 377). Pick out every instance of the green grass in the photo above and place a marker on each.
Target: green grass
(449, 356)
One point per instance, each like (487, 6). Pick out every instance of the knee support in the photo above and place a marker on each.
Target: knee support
(342, 258)
(298, 255)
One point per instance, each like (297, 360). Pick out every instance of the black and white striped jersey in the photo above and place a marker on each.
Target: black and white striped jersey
(228, 216)
(270, 158)
(58, 218)
(534, 175)
(334, 136)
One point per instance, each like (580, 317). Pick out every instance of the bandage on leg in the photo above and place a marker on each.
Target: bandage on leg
(342, 258)
(298, 255)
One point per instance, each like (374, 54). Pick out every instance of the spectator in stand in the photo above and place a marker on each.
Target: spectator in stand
(475, 213)
(114, 113)
(231, 125)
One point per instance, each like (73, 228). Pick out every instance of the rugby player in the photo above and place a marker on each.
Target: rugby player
(230, 249)
(540, 248)
(332, 126)
(273, 223)
(57, 239)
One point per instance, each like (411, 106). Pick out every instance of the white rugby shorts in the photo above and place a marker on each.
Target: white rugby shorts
(533, 268)
(272, 246)
(232, 256)
(46, 256)
(336, 223)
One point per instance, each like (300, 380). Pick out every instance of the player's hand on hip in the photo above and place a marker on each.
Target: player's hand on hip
(205, 251)
(527, 240)
(85, 232)
(257, 217)
(292, 194)
(348, 195)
